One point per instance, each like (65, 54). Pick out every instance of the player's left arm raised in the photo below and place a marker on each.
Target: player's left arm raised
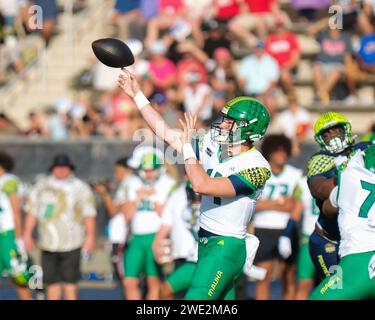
(219, 186)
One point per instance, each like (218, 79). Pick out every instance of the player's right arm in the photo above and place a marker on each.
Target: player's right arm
(129, 84)
(319, 179)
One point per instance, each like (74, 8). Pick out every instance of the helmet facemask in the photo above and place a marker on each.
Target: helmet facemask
(237, 132)
(336, 143)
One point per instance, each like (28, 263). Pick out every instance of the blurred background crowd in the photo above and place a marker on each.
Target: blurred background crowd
(194, 57)
(190, 56)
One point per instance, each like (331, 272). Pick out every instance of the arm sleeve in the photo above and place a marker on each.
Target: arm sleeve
(10, 187)
(247, 182)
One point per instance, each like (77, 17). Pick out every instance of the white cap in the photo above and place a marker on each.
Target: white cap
(135, 46)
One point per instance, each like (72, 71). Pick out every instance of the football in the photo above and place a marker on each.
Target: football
(113, 52)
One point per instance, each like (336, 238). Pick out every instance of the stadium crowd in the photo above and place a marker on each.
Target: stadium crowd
(190, 56)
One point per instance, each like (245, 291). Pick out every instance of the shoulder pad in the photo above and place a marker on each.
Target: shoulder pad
(319, 163)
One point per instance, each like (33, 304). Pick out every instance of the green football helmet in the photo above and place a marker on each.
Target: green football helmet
(250, 122)
(336, 144)
(150, 161)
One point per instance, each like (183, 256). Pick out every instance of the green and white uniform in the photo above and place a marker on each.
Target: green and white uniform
(144, 225)
(11, 260)
(178, 214)
(222, 255)
(354, 196)
(305, 267)
(279, 185)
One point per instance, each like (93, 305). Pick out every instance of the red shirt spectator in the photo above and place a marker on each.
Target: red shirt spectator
(190, 64)
(281, 47)
(260, 6)
(226, 9)
(171, 7)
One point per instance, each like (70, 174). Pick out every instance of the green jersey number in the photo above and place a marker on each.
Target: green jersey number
(369, 201)
(284, 189)
(146, 205)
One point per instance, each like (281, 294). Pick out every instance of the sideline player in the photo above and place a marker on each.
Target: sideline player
(333, 133)
(306, 272)
(230, 174)
(274, 225)
(179, 221)
(117, 226)
(353, 199)
(13, 257)
(146, 194)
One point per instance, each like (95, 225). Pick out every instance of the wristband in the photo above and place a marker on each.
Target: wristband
(140, 100)
(188, 152)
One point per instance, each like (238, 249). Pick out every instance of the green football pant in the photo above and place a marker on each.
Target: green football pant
(352, 281)
(139, 257)
(305, 266)
(180, 279)
(220, 265)
(8, 249)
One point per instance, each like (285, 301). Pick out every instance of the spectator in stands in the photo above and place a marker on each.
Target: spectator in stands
(307, 9)
(7, 126)
(125, 11)
(335, 49)
(162, 71)
(353, 17)
(162, 104)
(58, 124)
(169, 12)
(223, 76)
(37, 126)
(295, 123)
(9, 9)
(257, 14)
(50, 11)
(196, 96)
(361, 66)
(258, 75)
(369, 10)
(193, 60)
(65, 209)
(216, 37)
(283, 46)
(121, 112)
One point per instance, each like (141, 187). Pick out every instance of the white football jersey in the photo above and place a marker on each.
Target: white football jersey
(354, 196)
(117, 225)
(281, 185)
(146, 220)
(184, 245)
(310, 209)
(230, 216)
(9, 184)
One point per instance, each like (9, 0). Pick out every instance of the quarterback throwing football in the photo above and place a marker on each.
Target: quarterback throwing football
(229, 172)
